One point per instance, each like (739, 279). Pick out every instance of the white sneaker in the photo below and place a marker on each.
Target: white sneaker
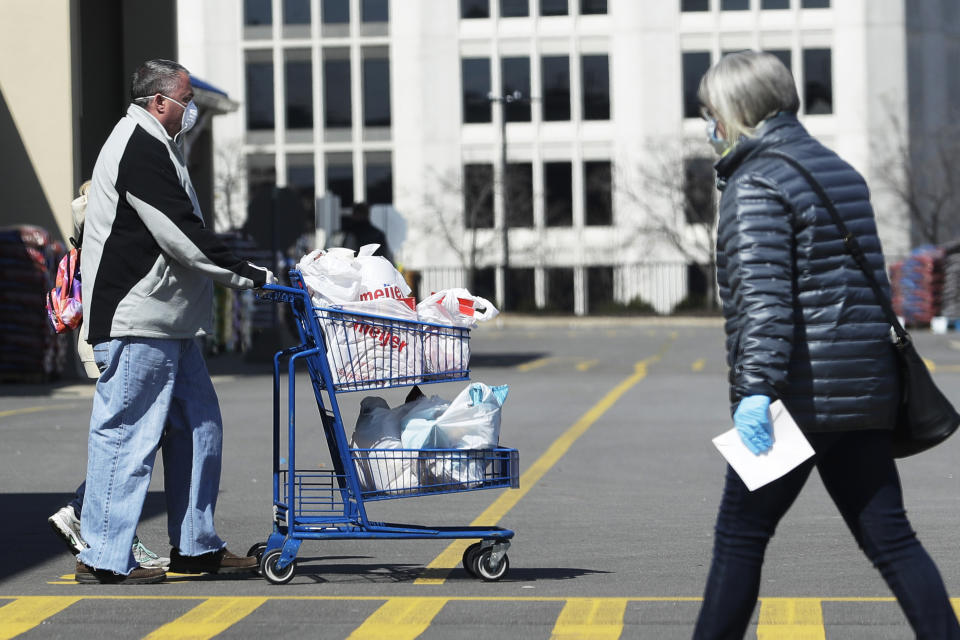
(148, 559)
(66, 525)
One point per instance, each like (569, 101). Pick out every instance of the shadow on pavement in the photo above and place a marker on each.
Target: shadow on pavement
(511, 359)
(27, 540)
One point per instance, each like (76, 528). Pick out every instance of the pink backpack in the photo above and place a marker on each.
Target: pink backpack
(63, 301)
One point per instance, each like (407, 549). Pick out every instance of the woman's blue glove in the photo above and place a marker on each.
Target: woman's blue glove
(752, 419)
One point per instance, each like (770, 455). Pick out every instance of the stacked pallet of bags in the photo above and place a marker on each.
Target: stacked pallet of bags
(918, 285)
(951, 280)
(29, 349)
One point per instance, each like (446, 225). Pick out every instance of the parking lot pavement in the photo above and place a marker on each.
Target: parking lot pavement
(613, 520)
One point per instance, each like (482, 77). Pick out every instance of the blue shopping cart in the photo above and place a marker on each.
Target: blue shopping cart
(346, 351)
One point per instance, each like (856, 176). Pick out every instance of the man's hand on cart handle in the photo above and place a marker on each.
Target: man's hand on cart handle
(270, 278)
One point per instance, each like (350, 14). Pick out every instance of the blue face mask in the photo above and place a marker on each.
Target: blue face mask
(719, 144)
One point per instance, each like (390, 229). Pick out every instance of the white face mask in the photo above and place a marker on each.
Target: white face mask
(189, 118)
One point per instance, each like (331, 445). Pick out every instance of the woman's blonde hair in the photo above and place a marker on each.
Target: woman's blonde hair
(745, 88)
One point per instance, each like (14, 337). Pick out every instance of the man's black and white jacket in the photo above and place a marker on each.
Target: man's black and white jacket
(149, 262)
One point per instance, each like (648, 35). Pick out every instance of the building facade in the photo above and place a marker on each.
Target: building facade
(548, 152)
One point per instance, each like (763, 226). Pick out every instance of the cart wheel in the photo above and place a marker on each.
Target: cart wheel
(487, 571)
(268, 567)
(257, 551)
(469, 559)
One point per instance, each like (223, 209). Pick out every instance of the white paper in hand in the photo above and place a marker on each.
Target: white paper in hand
(790, 448)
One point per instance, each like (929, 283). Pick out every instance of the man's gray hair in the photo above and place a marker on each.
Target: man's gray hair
(155, 76)
(745, 88)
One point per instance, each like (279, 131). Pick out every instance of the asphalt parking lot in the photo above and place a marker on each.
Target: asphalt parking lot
(613, 518)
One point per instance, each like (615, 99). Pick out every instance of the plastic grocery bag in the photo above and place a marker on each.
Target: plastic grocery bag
(445, 351)
(470, 421)
(377, 434)
(332, 276)
(361, 349)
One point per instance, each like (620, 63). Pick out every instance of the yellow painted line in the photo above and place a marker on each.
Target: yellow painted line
(949, 368)
(207, 619)
(399, 619)
(16, 412)
(533, 364)
(790, 619)
(587, 364)
(440, 567)
(930, 364)
(956, 606)
(590, 619)
(27, 612)
(698, 365)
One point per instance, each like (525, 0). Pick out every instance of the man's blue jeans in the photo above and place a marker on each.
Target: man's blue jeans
(859, 473)
(151, 392)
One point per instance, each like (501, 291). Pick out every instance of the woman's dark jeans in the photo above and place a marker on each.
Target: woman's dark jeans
(858, 471)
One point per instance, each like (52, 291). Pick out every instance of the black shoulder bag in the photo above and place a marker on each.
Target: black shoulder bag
(926, 418)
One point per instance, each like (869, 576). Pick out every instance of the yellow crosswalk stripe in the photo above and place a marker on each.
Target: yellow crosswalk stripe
(590, 619)
(790, 619)
(25, 613)
(399, 619)
(533, 364)
(207, 619)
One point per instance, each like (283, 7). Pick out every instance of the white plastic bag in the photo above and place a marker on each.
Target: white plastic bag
(470, 422)
(332, 276)
(445, 351)
(378, 427)
(361, 349)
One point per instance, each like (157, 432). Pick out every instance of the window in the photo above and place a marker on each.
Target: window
(514, 8)
(598, 187)
(521, 291)
(734, 5)
(257, 13)
(699, 187)
(694, 5)
(340, 177)
(298, 84)
(476, 87)
(516, 77)
(296, 11)
(558, 194)
(695, 64)
(478, 196)
(817, 81)
(378, 174)
(336, 89)
(559, 281)
(815, 4)
(376, 88)
(520, 194)
(261, 173)
(783, 55)
(374, 11)
(588, 7)
(555, 75)
(775, 4)
(259, 76)
(599, 288)
(553, 7)
(474, 9)
(335, 11)
(300, 178)
(596, 87)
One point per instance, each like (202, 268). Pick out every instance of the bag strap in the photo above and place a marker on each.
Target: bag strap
(849, 243)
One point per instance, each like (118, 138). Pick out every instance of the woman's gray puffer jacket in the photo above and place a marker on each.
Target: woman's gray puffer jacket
(802, 323)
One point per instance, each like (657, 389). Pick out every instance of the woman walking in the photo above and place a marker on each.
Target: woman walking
(803, 326)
